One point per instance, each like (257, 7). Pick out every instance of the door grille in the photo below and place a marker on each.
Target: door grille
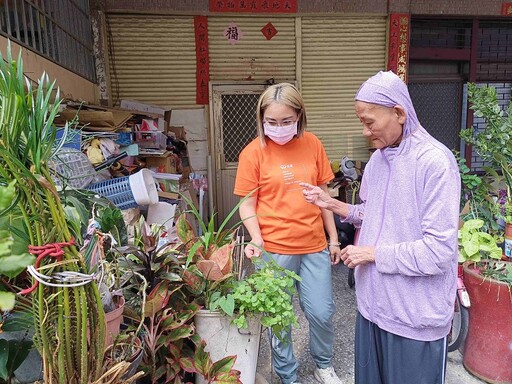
(238, 123)
(438, 106)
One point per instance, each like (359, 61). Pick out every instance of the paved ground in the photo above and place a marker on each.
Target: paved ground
(343, 348)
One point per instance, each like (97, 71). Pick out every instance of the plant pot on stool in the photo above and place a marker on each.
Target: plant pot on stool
(487, 352)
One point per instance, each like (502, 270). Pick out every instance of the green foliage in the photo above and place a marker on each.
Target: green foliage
(210, 267)
(476, 200)
(68, 322)
(475, 245)
(12, 354)
(11, 264)
(267, 293)
(218, 372)
(494, 143)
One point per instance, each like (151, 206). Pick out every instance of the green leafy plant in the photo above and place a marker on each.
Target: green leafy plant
(213, 259)
(68, 321)
(213, 274)
(475, 244)
(267, 294)
(481, 249)
(16, 346)
(494, 143)
(477, 201)
(11, 263)
(152, 280)
(213, 372)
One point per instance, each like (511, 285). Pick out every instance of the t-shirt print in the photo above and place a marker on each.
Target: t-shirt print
(293, 174)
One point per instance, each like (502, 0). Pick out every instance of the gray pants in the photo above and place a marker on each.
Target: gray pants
(384, 358)
(315, 298)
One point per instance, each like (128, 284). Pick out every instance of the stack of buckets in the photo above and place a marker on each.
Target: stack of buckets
(129, 191)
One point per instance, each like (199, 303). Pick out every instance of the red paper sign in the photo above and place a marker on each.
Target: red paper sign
(506, 9)
(202, 59)
(254, 6)
(398, 45)
(269, 31)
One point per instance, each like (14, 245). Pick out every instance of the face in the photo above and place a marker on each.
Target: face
(277, 114)
(382, 125)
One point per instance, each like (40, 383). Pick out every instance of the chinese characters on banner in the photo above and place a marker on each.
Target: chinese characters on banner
(506, 9)
(398, 45)
(269, 31)
(202, 59)
(233, 33)
(255, 6)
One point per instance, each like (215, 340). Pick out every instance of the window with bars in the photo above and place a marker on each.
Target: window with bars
(494, 61)
(59, 30)
(432, 33)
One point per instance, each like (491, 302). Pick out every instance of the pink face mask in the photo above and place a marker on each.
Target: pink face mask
(280, 134)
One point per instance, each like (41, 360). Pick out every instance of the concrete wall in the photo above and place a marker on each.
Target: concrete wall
(415, 7)
(71, 85)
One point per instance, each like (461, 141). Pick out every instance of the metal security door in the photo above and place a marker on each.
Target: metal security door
(438, 104)
(234, 126)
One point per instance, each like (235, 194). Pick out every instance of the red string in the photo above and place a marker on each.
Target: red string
(53, 250)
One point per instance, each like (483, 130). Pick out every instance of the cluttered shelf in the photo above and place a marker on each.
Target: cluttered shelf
(103, 148)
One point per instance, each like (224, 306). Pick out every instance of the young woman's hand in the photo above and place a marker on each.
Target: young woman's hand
(254, 248)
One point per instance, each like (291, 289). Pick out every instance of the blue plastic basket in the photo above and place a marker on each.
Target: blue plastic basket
(116, 190)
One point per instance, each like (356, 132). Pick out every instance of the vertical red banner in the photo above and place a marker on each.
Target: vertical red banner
(398, 44)
(202, 59)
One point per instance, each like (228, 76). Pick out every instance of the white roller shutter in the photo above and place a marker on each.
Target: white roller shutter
(338, 54)
(253, 57)
(152, 59)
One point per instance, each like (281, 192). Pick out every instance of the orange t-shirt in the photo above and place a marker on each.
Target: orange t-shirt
(288, 224)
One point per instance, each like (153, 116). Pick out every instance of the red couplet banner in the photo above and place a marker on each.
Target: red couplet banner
(202, 59)
(398, 44)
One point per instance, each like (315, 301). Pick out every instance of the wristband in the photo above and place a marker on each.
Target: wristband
(334, 245)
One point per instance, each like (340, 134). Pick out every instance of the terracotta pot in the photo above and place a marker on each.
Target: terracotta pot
(487, 352)
(113, 321)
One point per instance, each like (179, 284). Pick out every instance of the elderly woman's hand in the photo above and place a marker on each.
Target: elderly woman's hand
(315, 195)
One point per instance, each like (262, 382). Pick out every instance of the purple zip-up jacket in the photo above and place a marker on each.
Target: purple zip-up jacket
(410, 213)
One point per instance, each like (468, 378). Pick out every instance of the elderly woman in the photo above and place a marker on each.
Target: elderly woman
(405, 259)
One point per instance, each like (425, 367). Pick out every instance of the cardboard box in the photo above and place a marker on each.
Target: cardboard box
(179, 132)
(163, 164)
(133, 105)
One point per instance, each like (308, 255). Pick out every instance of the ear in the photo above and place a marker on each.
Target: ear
(400, 113)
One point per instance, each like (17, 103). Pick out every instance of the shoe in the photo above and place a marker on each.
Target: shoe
(327, 376)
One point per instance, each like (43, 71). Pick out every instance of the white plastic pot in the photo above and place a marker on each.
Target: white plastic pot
(225, 339)
(143, 187)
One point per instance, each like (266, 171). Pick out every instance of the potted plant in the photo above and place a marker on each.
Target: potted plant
(494, 145)
(235, 303)
(61, 314)
(152, 285)
(487, 279)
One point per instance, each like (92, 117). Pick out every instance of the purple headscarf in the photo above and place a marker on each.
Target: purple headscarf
(388, 90)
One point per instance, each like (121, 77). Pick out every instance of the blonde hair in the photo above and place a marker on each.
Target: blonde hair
(282, 93)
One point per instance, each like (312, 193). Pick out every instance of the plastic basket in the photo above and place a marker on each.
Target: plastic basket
(117, 190)
(72, 168)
